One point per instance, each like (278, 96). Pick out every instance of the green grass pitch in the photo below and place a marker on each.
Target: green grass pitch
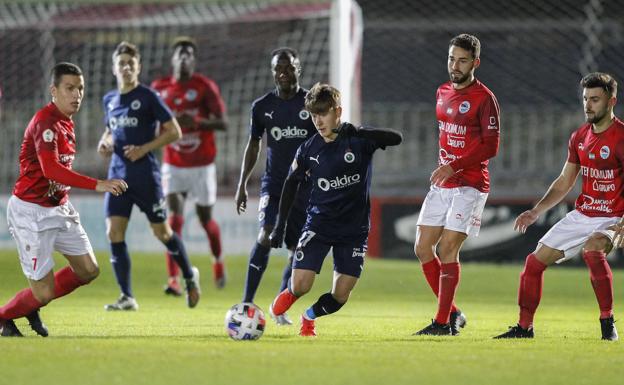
(368, 342)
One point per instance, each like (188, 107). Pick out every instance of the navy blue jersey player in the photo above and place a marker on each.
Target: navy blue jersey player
(132, 114)
(280, 114)
(337, 164)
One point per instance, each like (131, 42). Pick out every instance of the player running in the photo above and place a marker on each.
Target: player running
(132, 113)
(337, 162)
(469, 129)
(596, 151)
(282, 116)
(40, 217)
(188, 169)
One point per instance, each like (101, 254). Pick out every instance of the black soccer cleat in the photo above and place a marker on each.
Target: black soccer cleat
(435, 329)
(609, 332)
(36, 324)
(9, 329)
(516, 332)
(457, 321)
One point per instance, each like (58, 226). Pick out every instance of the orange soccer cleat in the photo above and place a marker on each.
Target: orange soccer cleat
(307, 328)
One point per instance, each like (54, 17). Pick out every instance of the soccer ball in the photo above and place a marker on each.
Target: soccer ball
(245, 321)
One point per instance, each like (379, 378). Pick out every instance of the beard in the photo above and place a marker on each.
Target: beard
(459, 80)
(597, 117)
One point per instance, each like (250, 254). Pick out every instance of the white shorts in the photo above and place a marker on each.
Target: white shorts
(572, 231)
(38, 231)
(458, 209)
(200, 183)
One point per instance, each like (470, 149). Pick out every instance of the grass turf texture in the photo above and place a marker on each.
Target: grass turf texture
(368, 342)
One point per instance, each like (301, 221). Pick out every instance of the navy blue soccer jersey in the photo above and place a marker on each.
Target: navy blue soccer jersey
(132, 118)
(287, 125)
(339, 173)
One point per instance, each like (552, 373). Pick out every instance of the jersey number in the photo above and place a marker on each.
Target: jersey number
(34, 263)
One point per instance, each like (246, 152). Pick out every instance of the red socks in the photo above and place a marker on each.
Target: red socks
(601, 279)
(431, 270)
(530, 291)
(24, 302)
(449, 280)
(214, 237)
(283, 302)
(176, 222)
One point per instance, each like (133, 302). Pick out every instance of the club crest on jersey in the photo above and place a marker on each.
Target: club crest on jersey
(48, 135)
(304, 115)
(604, 152)
(349, 157)
(135, 105)
(299, 255)
(191, 95)
(464, 107)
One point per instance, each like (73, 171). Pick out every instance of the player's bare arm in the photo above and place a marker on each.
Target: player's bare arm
(169, 132)
(105, 145)
(555, 194)
(249, 161)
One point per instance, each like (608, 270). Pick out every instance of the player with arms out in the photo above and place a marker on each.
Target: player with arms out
(282, 116)
(40, 217)
(188, 169)
(132, 114)
(469, 128)
(596, 152)
(337, 161)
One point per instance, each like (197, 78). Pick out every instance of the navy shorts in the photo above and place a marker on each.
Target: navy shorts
(312, 250)
(148, 196)
(268, 210)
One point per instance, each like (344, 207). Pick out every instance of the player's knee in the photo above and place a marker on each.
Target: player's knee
(597, 242)
(162, 234)
(448, 252)
(424, 252)
(300, 287)
(114, 235)
(90, 273)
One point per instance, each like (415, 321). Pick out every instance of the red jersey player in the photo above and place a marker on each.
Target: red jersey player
(40, 217)
(468, 122)
(596, 152)
(188, 164)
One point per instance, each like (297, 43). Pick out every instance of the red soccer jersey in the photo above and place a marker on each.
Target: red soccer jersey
(46, 157)
(469, 125)
(600, 157)
(199, 97)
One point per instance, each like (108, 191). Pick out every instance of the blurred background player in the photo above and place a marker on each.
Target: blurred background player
(40, 217)
(132, 113)
(188, 169)
(468, 121)
(282, 116)
(596, 151)
(338, 163)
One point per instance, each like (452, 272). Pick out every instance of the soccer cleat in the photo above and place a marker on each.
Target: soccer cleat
(218, 274)
(280, 320)
(193, 290)
(435, 329)
(516, 332)
(173, 287)
(36, 324)
(457, 321)
(609, 332)
(123, 303)
(307, 328)
(9, 329)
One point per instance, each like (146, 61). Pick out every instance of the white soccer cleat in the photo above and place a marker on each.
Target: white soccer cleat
(280, 320)
(193, 290)
(123, 303)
